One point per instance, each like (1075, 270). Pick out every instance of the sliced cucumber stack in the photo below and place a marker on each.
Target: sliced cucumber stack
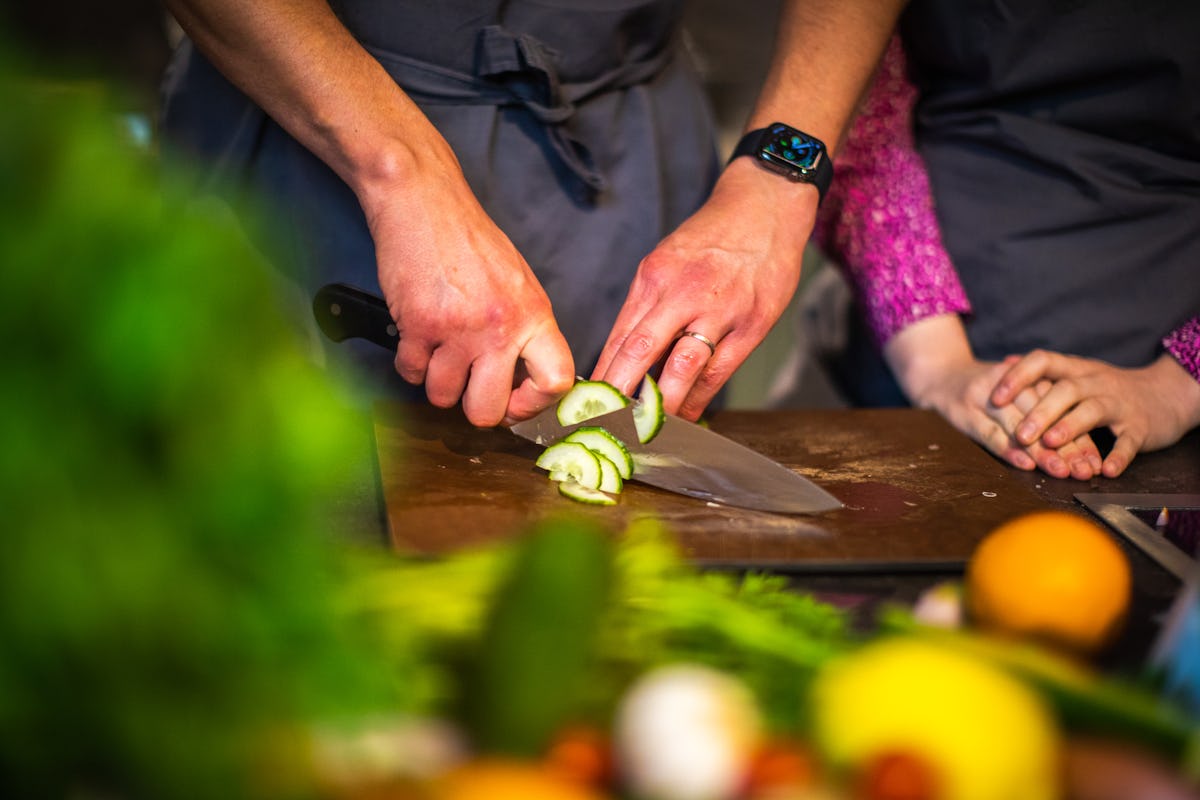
(571, 460)
(582, 494)
(589, 399)
(591, 464)
(648, 415)
(610, 477)
(600, 441)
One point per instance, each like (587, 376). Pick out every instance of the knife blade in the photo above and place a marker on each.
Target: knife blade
(684, 457)
(692, 460)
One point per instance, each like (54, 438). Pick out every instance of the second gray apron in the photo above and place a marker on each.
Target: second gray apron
(581, 128)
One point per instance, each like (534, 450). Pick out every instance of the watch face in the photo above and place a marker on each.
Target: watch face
(790, 152)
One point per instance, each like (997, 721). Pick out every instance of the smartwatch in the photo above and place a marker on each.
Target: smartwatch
(788, 152)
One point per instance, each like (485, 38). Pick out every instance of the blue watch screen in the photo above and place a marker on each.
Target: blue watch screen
(790, 148)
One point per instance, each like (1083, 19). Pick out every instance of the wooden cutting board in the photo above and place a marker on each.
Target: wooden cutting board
(917, 493)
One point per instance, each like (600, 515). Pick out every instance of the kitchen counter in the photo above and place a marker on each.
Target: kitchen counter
(917, 495)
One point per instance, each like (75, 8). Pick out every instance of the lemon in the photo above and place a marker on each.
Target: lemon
(982, 734)
(1050, 575)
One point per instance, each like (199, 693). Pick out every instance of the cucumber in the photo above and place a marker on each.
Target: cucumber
(589, 399)
(648, 416)
(583, 494)
(527, 675)
(600, 441)
(573, 460)
(610, 477)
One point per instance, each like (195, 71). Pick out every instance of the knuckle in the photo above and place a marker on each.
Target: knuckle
(411, 369)
(711, 380)
(441, 399)
(685, 361)
(638, 345)
(1038, 355)
(483, 417)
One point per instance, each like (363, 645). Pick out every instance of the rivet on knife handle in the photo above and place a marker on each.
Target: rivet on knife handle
(345, 312)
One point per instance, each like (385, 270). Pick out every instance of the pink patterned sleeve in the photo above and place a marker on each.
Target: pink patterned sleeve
(1183, 344)
(878, 219)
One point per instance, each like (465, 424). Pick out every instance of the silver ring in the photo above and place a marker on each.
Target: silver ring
(709, 343)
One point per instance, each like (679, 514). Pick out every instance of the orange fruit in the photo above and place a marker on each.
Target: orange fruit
(1050, 575)
(509, 779)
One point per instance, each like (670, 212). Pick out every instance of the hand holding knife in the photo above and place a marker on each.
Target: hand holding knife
(684, 457)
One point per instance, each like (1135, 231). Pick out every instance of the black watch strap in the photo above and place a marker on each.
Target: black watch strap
(767, 146)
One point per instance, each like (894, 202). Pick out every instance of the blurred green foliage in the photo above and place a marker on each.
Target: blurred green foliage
(166, 584)
(534, 656)
(426, 617)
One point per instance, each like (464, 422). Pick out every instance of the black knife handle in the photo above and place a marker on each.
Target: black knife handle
(344, 312)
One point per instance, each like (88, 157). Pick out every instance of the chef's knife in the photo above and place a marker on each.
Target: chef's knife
(684, 457)
(344, 312)
(692, 460)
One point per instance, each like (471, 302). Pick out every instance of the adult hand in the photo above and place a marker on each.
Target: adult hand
(474, 322)
(1146, 408)
(727, 273)
(936, 368)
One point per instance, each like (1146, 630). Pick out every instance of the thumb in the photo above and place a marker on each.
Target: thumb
(548, 372)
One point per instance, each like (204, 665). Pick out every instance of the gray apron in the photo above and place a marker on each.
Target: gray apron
(580, 126)
(1063, 145)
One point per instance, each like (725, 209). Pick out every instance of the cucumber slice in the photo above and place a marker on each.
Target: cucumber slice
(610, 476)
(582, 494)
(648, 413)
(601, 442)
(589, 399)
(572, 460)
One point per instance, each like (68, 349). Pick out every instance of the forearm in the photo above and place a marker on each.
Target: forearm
(1179, 392)
(300, 64)
(923, 353)
(825, 54)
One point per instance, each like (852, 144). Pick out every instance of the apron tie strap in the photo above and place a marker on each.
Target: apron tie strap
(527, 69)
(519, 70)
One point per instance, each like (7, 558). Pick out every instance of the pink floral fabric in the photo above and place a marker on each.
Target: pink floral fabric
(1184, 344)
(878, 219)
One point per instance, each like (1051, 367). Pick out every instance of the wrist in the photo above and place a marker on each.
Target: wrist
(383, 170)
(924, 353)
(758, 212)
(792, 200)
(1180, 389)
(789, 153)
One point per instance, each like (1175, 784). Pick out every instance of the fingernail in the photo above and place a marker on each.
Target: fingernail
(1057, 467)
(1025, 462)
(1080, 469)
(1026, 431)
(1094, 461)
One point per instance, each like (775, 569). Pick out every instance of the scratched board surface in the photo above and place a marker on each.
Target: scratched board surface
(917, 494)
